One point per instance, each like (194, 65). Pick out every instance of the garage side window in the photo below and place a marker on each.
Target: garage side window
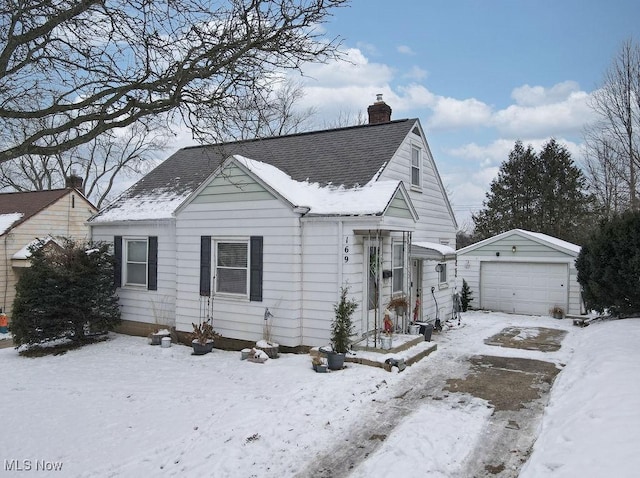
(135, 262)
(232, 267)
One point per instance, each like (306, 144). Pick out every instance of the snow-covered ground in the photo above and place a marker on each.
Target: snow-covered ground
(125, 408)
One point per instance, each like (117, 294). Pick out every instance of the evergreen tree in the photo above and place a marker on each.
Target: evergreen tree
(541, 193)
(66, 293)
(609, 266)
(465, 296)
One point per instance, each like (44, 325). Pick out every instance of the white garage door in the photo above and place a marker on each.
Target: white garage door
(523, 288)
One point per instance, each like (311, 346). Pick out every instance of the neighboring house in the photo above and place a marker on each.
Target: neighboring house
(522, 272)
(27, 216)
(263, 233)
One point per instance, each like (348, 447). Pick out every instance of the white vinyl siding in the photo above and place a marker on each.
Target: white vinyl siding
(139, 304)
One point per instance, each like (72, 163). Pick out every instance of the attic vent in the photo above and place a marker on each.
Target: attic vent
(416, 131)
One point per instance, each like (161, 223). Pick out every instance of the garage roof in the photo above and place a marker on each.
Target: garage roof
(538, 237)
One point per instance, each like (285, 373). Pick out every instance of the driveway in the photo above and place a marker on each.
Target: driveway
(514, 388)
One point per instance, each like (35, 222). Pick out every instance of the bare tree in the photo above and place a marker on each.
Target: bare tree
(613, 142)
(83, 67)
(109, 158)
(270, 110)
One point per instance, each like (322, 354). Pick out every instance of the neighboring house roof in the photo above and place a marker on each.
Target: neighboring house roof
(18, 207)
(346, 157)
(572, 249)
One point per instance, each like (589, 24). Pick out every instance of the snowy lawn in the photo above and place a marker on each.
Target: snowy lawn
(125, 408)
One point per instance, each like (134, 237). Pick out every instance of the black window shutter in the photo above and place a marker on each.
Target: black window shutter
(117, 261)
(152, 267)
(255, 281)
(205, 265)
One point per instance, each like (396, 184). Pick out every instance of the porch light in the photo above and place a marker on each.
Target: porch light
(513, 249)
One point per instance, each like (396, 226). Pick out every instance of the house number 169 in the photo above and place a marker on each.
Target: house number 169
(346, 249)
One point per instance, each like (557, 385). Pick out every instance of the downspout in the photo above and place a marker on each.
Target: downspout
(6, 275)
(302, 211)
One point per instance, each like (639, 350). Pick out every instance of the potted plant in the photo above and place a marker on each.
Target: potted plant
(341, 330)
(557, 312)
(203, 336)
(399, 303)
(318, 364)
(386, 339)
(155, 338)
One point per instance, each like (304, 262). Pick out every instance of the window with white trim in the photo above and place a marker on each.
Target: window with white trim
(416, 166)
(398, 267)
(232, 267)
(135, 259)
(442, 273)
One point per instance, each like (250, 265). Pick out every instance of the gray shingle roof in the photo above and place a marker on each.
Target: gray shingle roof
(344, 156)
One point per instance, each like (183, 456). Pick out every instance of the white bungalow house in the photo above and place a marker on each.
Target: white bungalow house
(263, 233)
(522, 272)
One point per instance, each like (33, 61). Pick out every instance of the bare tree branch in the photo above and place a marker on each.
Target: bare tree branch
(85, 67)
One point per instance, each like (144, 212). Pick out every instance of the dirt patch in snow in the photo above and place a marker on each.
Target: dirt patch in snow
(528, 338)
(507, 383)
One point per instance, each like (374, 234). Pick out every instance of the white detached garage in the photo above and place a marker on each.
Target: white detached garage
(522, 272)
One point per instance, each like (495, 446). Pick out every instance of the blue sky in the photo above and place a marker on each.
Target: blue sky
(479, 74)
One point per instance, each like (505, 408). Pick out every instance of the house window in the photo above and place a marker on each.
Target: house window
(135, 262)
(416, 162)
(398, 267)
(232, 267)
(442, 273)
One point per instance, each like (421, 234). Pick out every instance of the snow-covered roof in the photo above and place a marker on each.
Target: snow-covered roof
(432, 250)
(151, 206)
(25, 253)
(554, 242)
(7, 220)
(349, 157)
(369, 199)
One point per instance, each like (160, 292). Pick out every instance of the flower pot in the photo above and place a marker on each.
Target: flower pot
(414, 329)
(335, 361)
(156, 338)
(386, 342)
(321, 368)
(201, 349)
(166, 342)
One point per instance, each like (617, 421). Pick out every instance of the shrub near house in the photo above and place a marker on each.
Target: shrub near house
(68, 292)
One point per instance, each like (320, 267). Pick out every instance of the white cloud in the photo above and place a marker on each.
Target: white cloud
(356, 70)
(416, 73)
(562, 117)
(538, 95)
(405, 50)
(449, 113)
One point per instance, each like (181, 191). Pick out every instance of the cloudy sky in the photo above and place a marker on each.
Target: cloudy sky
(479, 74)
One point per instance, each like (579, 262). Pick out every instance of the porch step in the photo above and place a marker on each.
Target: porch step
(411, 350)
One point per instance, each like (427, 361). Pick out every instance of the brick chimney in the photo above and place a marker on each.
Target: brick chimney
(379, 112)
(73, 181)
